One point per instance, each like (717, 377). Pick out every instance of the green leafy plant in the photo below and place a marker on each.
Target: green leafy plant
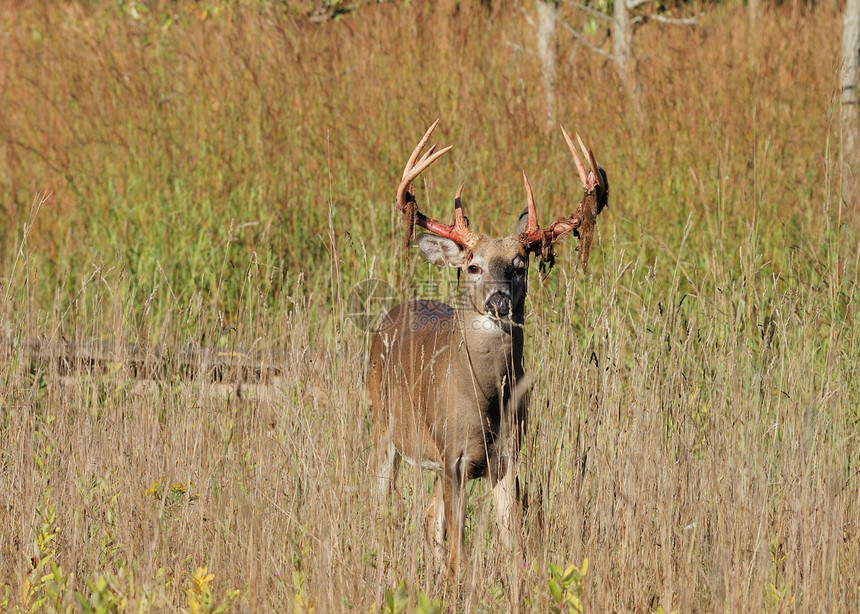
(301, 602)
(199, 593)
(45, 585)
(104, 597)
(777, 592)
(566, 587)
(428, 606)
(397, 602)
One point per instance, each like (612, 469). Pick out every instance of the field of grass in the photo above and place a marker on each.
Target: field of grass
(222, 174)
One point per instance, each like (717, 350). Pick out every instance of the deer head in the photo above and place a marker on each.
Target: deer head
(495, 270)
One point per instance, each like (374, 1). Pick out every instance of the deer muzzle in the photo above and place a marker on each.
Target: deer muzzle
(498, 304)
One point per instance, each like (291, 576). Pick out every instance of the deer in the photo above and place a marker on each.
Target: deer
(447, 383)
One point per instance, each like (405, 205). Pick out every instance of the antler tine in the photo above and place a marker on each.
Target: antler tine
(583, 176)
(459, 217)
(419, 147)
(428, 153)
(533, 225)
(583, 219)
(459, 231)
(597, 174)
(582, 146)
(411, 172)
(425, 163)
(589, 155)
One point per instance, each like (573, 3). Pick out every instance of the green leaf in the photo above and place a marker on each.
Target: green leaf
(401, 599)
(555, 590)
(396, 602)
(425, 606)
(568, 574)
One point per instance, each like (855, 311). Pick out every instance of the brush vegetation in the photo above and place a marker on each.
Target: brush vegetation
(222, 174)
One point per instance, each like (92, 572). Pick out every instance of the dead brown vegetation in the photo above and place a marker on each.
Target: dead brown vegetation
(216, 180)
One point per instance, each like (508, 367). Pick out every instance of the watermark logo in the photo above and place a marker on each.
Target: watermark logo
(368, 303)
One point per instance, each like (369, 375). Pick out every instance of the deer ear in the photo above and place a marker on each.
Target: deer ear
(441, 251)
(522, 222)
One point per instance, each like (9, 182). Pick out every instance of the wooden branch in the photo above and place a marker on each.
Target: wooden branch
(678, 21)
(158, 363)
(585, 42)
(589, 10)
(643, 19)
(632, 5)
(528, 18)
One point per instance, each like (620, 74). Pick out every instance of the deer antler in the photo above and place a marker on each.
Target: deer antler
(459, 231)
(595, 196)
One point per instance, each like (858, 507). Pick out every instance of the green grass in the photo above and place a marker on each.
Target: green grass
(225, 178)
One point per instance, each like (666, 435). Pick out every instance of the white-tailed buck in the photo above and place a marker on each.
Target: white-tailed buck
(447, 383)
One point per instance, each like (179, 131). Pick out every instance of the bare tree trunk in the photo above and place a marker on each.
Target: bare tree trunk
(622, 50)
(547, 18)
(850, 117)
(753, 8)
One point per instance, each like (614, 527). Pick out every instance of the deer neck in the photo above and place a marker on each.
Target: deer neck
(494, 349)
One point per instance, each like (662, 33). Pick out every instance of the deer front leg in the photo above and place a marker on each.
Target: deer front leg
(507, 505)
(434, 523)
(454, 495)
(387, 463)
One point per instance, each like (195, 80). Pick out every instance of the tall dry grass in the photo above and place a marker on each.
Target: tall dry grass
(221, 175)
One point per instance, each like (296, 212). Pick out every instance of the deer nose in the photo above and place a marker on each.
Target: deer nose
(498, 303)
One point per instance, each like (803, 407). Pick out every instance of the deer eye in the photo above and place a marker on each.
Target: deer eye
(473, 269)
(520, 270)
